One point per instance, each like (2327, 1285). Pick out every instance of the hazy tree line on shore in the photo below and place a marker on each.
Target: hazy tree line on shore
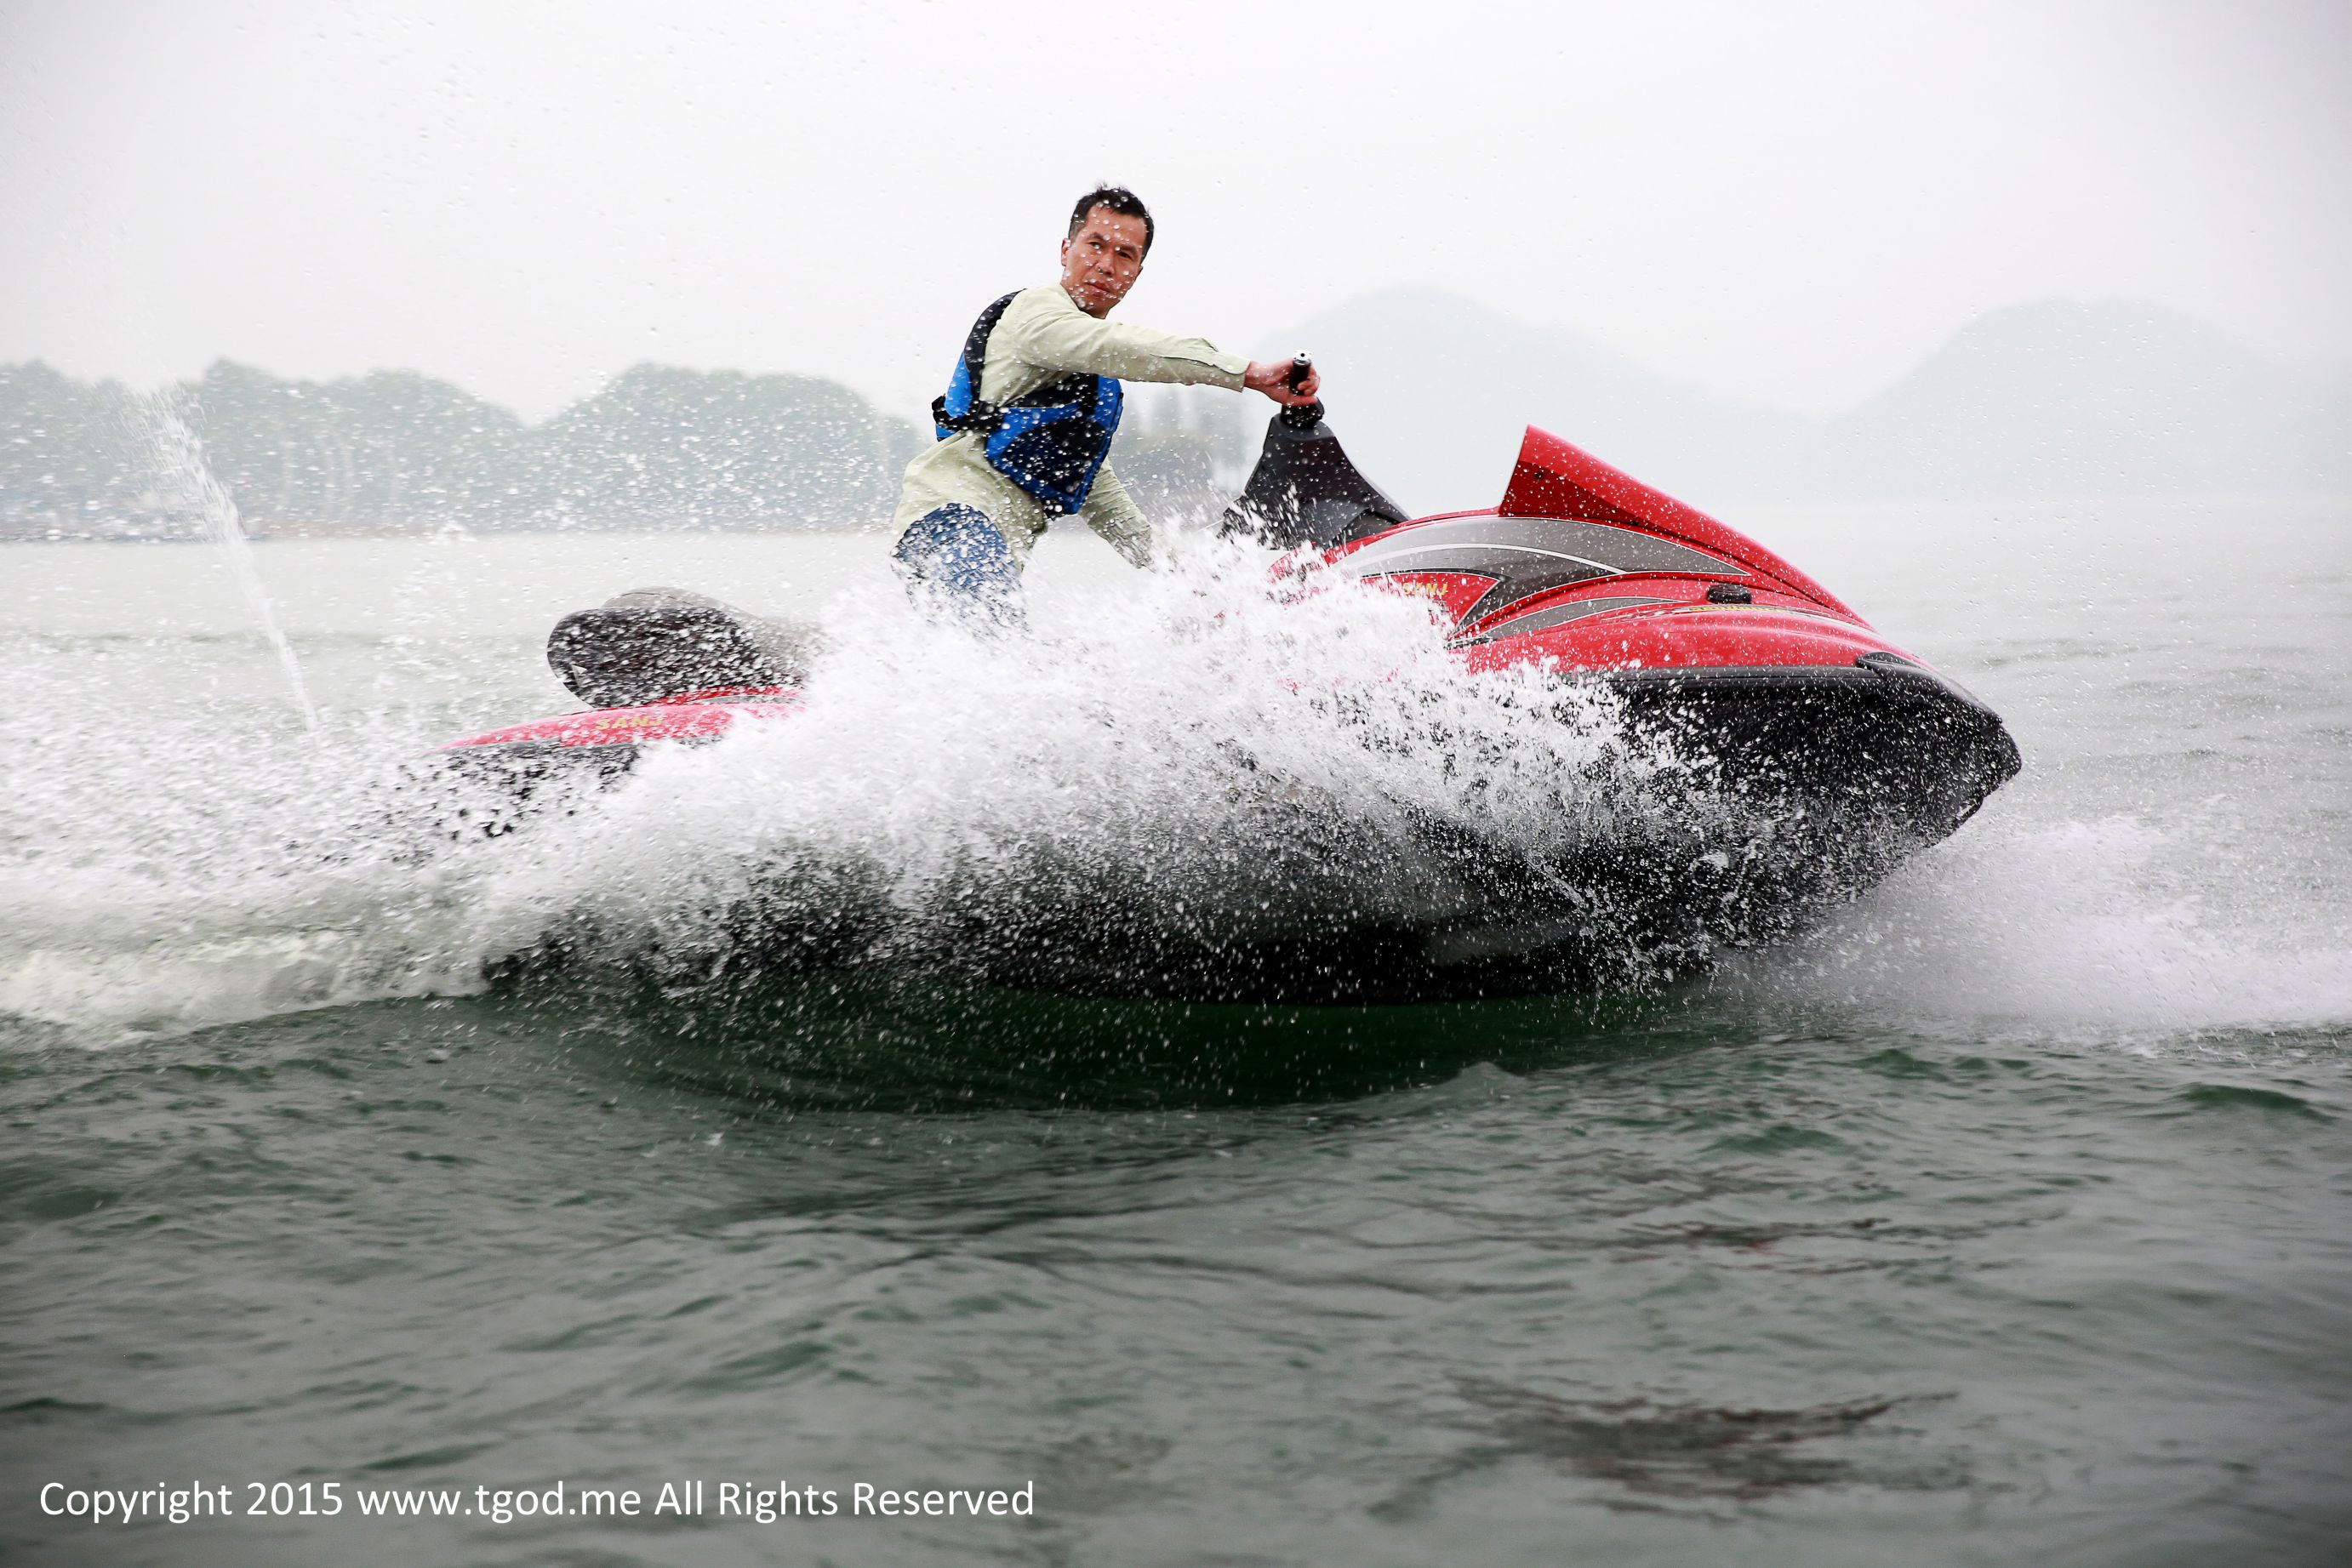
(660, 448)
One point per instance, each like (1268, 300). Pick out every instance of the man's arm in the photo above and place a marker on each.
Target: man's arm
(1043, 329)
(1110, 512)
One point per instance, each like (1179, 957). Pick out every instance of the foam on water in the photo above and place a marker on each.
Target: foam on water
(134, 920)
(2116, 928)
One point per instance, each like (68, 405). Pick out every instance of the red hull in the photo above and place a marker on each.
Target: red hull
(690, 717)
(1624, 606)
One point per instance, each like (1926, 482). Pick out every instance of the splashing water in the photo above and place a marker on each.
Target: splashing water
(1184, 765)
(180, 460)
(1188, 768)
(2113, 929)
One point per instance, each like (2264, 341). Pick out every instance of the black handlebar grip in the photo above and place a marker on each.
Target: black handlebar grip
(1300, 366)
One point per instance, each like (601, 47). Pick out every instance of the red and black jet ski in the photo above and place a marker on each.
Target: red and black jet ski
(1706, 635)
(1853, 753)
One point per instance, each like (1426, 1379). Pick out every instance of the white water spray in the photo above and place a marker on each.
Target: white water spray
(1171, 746)
(180, 458)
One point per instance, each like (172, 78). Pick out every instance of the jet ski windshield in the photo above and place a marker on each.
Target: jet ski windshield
(1305, 491)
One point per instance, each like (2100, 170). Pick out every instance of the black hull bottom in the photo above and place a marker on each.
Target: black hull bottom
(1807, 787)
(1793, 790)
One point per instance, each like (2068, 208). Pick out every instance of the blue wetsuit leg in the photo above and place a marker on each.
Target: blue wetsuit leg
(955, 559)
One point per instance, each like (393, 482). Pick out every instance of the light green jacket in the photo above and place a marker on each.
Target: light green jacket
(1043, 336)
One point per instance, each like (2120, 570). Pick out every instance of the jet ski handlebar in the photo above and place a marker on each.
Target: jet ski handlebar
(1300, 415)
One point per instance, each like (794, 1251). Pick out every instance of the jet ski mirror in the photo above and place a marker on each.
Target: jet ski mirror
(1304, 490)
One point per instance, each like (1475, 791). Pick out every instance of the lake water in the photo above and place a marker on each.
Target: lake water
(2005, 1217)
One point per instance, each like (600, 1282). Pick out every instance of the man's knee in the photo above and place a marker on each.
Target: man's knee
(954, 557)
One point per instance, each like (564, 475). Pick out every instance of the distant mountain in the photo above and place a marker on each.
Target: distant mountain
(2052, 400)
(70, 453)
(387, 446)
(2065, 399)
(664, 447)
(1431, 392)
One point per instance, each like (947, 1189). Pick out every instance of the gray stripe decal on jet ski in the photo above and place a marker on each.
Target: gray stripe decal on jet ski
(1527, 556)
(1557, 615)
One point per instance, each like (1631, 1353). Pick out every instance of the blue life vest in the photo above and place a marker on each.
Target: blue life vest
(1051, 442)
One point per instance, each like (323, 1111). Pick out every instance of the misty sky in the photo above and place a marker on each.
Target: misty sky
(1790, 204)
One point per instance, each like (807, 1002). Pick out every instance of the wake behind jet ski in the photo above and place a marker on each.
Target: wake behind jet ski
(1813, 755)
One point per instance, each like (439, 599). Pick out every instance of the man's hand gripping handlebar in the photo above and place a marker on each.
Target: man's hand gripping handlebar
(1287, 381)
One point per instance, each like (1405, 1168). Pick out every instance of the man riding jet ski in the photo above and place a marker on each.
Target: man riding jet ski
(1028, 417)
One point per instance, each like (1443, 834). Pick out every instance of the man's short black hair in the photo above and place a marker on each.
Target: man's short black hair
(1119, 199)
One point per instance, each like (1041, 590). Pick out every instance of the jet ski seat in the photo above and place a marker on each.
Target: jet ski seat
(650, 643)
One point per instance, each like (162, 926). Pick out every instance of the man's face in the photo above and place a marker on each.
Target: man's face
(1101, 261)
